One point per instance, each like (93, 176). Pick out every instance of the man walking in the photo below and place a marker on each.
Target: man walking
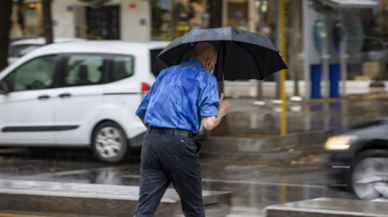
(182, 97)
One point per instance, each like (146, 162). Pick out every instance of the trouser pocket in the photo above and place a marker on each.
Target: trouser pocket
(193, 148)
(199, 147)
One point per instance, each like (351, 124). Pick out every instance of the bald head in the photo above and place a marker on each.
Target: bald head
(206, 53)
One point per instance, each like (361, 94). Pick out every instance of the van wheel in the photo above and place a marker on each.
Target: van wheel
(109, 142)
(369, 179)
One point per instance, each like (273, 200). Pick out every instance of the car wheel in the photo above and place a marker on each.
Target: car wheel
(369, 175)
(109, 142)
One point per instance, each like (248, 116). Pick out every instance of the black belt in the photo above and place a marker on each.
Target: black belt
(170, 131)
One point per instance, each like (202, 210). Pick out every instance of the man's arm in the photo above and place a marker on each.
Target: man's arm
(142, 109)
(212, 122)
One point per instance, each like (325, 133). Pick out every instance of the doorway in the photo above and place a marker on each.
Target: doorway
(104, 22)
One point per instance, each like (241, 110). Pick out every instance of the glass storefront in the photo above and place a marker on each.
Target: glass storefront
(238, 14)
(27, 20)
(174, 18)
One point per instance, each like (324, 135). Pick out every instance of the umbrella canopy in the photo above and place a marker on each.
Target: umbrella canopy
(242, 55)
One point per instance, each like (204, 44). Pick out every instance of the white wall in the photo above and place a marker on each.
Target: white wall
(131, 28)
(64, 26)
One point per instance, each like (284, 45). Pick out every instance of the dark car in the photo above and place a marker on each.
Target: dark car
(359, 160)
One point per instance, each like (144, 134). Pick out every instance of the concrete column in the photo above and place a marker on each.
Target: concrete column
(325, 60)
(225, 13)
(343, 55)
(295, 38)
(306, 46)
(63, 18)
(251, 16)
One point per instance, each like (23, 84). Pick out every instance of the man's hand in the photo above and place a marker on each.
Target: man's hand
(224, 107)
(212, 122)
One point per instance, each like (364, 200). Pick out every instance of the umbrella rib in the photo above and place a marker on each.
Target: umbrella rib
(184, 53)
(258, 66)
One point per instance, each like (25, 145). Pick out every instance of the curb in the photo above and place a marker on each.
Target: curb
(323, 207)
(94, 199)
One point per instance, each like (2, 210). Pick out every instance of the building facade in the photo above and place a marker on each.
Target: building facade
(116, 19)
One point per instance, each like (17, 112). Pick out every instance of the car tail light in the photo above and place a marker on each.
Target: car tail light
(145, 88)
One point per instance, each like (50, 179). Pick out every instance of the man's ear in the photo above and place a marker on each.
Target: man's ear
(208, 62)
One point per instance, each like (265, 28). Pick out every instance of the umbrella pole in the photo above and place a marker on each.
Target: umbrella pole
(223, 128)
(223, 69)
(221, 83)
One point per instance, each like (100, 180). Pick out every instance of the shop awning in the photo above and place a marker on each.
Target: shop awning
(351, 3)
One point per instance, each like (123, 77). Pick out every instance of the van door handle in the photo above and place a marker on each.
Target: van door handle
(65, 95)
(43, 97)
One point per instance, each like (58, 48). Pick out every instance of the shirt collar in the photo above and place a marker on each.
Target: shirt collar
(196, 62)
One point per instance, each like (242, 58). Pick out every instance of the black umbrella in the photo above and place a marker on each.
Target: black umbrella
(242, 55)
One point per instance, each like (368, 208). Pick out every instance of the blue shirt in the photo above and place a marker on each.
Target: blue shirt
(180, 98)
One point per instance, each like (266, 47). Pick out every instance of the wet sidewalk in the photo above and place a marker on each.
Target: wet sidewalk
(281, 174)
(251, 121)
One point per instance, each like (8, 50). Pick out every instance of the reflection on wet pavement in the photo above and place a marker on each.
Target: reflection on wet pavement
(247, 120)
(253, 184)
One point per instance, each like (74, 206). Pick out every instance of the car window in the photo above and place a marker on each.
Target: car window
(34, 75)
(21, 50)
(122, 67)
(83, 70)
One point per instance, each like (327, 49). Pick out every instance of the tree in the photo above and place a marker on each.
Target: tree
(5, 25)
(48, 22)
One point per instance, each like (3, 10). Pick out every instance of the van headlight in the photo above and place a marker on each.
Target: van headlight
(339, 142)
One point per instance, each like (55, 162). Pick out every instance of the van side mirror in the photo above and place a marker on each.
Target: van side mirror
(4, 88)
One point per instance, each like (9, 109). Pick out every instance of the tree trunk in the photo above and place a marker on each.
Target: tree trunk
(5, 25)
(48, 22)
(215, 11)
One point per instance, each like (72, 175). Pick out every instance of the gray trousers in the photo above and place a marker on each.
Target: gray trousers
(169, 159)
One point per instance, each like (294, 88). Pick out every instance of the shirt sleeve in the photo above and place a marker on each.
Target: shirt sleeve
(142, 109)
(209, 100)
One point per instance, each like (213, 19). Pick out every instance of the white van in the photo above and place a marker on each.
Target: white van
(19, 48)
(78, 94)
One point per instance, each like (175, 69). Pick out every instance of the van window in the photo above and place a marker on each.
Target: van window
(156, 65)
(83, 70)
(36, 74)
(21, 50)
(122, 67)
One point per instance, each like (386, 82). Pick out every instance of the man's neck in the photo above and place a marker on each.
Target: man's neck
(196, 58)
